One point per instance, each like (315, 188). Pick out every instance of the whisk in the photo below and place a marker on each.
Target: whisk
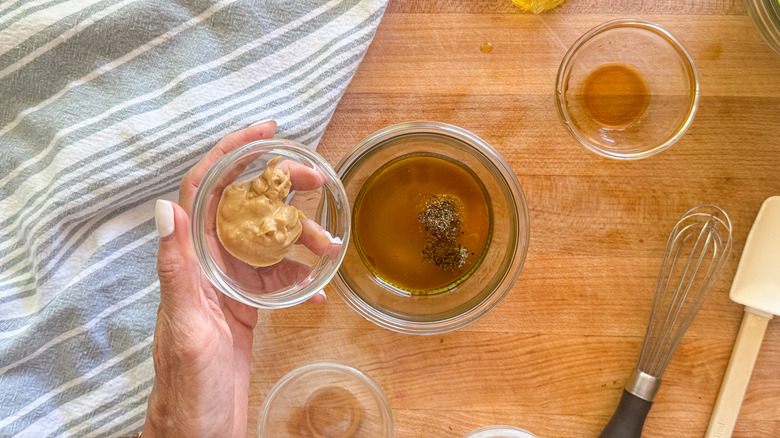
(698, 247)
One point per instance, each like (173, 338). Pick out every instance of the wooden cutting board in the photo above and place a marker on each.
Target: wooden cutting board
(554, 355)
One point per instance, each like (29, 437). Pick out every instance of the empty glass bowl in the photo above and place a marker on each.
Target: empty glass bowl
(500, 432)
(473, 297)
(627, 89)
(305, 269)
(325, 400)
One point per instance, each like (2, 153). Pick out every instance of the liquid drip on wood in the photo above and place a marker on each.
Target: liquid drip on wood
(486, 47)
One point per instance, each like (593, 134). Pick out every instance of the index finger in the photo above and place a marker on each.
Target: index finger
(302, 177)
(193, 177)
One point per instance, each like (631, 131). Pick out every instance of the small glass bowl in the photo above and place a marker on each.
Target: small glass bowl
(302, 272)
(669, 76)
(500, 432)
(325, 400)
(472, 298)
(766, 17)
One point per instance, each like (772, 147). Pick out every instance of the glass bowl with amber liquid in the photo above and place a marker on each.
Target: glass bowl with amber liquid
(439, 228)
(627, 89)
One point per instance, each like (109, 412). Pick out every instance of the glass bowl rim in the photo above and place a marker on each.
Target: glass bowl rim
(765, 15)
(510, 430)
(478, 146)
(562, 78)
(326, 365)
(197, 234)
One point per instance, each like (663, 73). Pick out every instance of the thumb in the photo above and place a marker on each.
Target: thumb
(176, 265)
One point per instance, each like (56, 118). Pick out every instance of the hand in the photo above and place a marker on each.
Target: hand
(203, 339)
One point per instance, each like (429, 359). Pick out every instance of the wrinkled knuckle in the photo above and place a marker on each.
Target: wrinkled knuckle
(187, 181)
(189, 346)
(182, 346)
(233, 137)
(167, 271)
(188, 352)
(167, 266)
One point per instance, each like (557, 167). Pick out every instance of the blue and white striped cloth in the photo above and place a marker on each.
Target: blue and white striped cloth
(104, 104)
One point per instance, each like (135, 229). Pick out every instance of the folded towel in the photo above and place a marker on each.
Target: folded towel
(104, 104)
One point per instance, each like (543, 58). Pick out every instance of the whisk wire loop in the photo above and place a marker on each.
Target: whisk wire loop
(679, 298)
(695, 254)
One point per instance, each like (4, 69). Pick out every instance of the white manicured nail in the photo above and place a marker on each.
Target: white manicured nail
(331, 238)
(163, 216)
(322, 292)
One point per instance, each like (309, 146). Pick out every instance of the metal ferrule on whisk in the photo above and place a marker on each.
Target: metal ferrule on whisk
(643, 385)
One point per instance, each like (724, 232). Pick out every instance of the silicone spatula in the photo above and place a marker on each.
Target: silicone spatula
(756, 286)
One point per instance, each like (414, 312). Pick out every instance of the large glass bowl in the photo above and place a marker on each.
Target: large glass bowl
(671, 88)
(469, 300)
(766, 17)
(302, 272)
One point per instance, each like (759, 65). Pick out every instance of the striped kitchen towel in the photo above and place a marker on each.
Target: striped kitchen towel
(104, 104)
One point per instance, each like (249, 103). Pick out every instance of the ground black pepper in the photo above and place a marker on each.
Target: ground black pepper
(442, 218)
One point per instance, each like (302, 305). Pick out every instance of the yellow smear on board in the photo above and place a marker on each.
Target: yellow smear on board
(537, 6)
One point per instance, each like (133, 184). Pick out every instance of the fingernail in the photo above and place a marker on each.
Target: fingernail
(321, 237)
(322, 292)
(263, 121)
(336, 240)
(163, 216)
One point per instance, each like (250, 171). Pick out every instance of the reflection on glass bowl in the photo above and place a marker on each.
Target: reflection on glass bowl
(500, 432)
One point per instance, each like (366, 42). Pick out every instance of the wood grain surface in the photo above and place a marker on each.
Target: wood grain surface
(553, 357)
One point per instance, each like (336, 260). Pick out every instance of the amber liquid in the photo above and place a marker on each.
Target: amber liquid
(388, 235)
(615, 95)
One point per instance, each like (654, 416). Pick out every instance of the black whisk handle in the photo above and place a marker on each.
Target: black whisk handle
(628, 419)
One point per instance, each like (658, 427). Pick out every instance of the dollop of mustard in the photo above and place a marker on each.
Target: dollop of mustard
(253, 222)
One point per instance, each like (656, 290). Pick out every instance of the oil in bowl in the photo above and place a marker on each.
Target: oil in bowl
(422, 223)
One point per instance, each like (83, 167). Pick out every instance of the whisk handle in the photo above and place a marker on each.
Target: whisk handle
(628, 419)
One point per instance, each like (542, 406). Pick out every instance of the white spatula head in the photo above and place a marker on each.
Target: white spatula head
(757, 282)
